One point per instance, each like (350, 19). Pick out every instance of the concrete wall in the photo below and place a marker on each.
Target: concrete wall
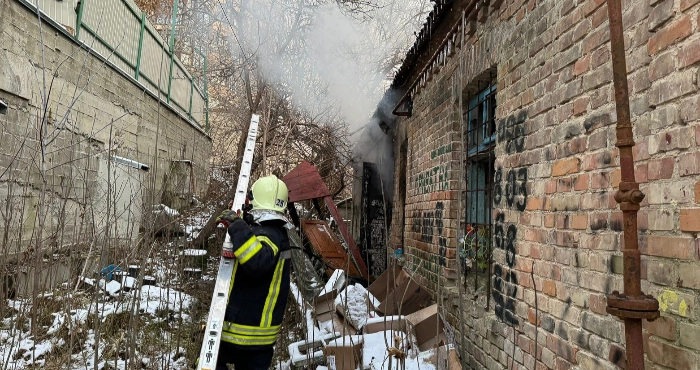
(557, 248)
(95, 112)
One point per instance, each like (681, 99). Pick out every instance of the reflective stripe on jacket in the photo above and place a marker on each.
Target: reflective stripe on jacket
(259, 284)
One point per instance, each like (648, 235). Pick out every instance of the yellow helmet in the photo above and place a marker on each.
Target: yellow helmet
(270, 193)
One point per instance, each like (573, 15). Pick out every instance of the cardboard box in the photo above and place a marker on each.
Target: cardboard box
(308, 354)
(324, 306)
(427, 328)
(398, 293)
(407, 298)
(387, 282)
(344, 353)
(378, 324)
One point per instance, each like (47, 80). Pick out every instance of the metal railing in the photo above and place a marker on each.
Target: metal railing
(120, 29)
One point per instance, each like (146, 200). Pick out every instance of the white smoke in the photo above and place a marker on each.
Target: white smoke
(328, 59)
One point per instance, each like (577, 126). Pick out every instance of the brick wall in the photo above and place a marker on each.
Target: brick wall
(557, 249)
(95, 111)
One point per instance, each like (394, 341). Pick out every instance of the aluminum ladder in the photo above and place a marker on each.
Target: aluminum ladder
(209, 353)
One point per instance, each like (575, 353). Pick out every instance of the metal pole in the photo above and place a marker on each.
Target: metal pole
(172, 47)
(632, 305)
(206, 95)
(138, 57)
(79, 20)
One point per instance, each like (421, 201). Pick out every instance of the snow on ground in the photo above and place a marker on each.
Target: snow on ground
(19, 349)
(354, 300)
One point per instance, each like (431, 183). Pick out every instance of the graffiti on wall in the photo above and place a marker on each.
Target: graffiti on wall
(441, 150)
(510, 192)
(429, 225)
(514, 189)
(375, 217)
(511, 132)
(434, 179)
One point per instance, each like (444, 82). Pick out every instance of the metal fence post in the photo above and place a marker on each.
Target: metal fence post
(79, 20)
(206, 96)
(191, 96)
(172, 47)
(206, 92)
(138, 57)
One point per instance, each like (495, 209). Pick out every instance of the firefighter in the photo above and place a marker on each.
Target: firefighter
(260, 281)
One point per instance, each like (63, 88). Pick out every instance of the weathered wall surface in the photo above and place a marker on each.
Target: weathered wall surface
(94, 113)
(556, 226)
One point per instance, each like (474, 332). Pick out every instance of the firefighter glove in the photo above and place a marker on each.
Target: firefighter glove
(227, 217)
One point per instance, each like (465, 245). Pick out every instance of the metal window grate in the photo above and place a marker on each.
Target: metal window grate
(480, 137)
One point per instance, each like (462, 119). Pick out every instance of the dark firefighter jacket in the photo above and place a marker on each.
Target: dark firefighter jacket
(259, 285)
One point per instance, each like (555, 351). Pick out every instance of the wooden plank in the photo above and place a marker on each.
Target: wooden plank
(327, 244)
(304, 183)
(348, 238)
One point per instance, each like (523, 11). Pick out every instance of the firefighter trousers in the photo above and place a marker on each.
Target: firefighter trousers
(244, 359)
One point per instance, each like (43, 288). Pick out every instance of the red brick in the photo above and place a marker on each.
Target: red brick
(689, 164)
(600, 56)
(581, 65)
(662, 66)
(615, 178)
(566, 166)
(581, 105)
(581, 182)
(599, 220)
(535, 235)
(599, 160)
(565, 184)
(591, 6)
(616, 221)
(690, 220)
(532, 317)
(617, 356)
(660, 168)
(563, 364)
(643, 220)
(689, 54)
(600, 180)
(534, 203)
(549, 288)
(666, 246)
(580, 222)
(697, 192)
(685, 4)
(641, 173)
(598, 304)
(664, 327)
(670, 34)
(640, 151)
(549, 220)
(550, 187)
(600, 16)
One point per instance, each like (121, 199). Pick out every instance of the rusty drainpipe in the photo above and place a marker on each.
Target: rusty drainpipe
(632, 305)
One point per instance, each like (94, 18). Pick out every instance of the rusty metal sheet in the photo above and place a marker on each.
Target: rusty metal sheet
(326, 244)
(304, 183)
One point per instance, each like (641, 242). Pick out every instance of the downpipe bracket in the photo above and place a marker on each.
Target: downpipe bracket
(626, 307)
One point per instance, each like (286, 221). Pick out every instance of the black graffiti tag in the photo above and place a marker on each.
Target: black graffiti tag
(516, 188)
(515, 185)
(511, 131)
(429, 224)
(505, 288)
(498, 191)
(505, 281)
(442, 241)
